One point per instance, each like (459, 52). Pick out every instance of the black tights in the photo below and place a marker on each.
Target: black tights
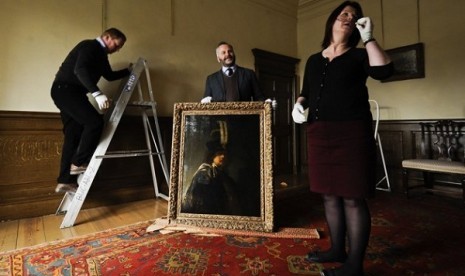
(351, 217)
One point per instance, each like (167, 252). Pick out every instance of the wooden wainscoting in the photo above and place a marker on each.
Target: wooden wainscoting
(401, 140)
(30, 150)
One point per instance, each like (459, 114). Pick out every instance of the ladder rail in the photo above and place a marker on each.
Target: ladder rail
(157, 126)
(159, 149)
(378, 186)
(387, 188)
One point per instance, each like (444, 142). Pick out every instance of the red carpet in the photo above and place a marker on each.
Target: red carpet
(132, 251)
(420, 236)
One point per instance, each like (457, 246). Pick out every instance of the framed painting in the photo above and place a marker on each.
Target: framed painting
(221, 166)
(409, 62)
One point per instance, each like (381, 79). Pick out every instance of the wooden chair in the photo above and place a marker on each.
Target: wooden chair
(440, 146)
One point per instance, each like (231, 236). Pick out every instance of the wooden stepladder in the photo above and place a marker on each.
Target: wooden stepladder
(72, 202)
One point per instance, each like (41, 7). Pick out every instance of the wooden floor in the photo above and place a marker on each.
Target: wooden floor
(32, 231)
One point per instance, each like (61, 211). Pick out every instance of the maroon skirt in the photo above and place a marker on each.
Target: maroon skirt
(342, 158)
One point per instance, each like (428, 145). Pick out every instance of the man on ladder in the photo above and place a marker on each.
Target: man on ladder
(78, 75)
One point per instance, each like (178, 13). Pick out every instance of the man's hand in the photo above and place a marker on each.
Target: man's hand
(102, 100)
(298, 114)
(274, 103)
(206, 100)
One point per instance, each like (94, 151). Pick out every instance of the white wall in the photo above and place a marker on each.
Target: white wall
(177, 37)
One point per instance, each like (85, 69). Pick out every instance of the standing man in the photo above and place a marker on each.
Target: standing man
(82, 124)
(232, 83)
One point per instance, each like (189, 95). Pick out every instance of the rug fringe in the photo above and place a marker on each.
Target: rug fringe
(165, 227)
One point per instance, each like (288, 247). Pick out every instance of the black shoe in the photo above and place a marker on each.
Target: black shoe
(75, 170)
(321, 257)
(66, 188)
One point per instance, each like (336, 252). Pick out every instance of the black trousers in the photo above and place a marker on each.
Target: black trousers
(82, 128)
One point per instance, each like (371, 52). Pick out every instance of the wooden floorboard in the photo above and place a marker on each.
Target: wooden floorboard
(8, 235)
(33, 231)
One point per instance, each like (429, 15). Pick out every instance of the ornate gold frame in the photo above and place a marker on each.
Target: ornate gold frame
(230, 110)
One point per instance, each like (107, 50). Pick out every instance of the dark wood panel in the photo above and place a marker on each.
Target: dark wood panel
(401, 140)
(277, 78)
(30, 151)
(30, 147)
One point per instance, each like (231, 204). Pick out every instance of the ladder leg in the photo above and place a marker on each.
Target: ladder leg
(161, 148)
(65, 202)
(148, 133)
(162, 157)
(85, 182)
(386, 176)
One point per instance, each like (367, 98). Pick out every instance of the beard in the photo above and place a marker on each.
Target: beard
(228, 62)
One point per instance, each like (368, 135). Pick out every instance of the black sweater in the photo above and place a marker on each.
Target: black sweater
(85, 64)
(336, 90)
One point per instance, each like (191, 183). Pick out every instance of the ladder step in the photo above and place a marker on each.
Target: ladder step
(129, 153)
(144, 104)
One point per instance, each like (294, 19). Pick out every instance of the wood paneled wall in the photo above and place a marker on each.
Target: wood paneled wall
(401, 140)
(30, 151)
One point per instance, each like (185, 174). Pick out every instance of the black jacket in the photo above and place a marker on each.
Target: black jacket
(247, 82)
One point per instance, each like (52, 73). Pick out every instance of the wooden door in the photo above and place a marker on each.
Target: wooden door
(277, 79)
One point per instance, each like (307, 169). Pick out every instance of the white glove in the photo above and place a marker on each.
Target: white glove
(206, 100)
(274, 103)
(298, 114)
(101, 99)
(365, 27)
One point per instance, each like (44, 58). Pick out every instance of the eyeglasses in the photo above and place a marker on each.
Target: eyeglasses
(347, 17)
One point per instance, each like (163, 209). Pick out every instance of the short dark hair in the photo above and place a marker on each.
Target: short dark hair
(354, 37)
(115, 33)
(223, 43)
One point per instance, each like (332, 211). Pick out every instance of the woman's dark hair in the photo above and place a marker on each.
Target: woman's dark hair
(354, 37)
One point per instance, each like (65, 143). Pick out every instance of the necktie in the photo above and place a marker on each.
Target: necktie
(229, 72)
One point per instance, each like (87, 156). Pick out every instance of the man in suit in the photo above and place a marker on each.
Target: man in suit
(232, 83)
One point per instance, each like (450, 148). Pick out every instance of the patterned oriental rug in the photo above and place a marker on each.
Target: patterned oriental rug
(131, 250)
(423, 236)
